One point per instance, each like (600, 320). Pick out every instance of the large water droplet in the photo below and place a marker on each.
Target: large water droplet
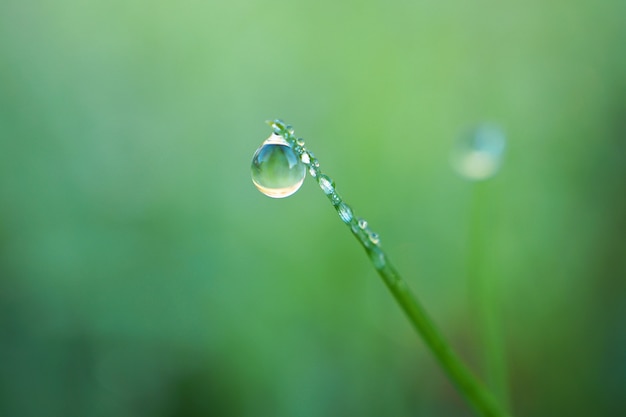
(478, 155)
(276, 169)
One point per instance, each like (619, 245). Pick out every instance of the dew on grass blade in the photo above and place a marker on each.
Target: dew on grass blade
(276, 169)
(478, 155)
(326, 184)
(345, 212)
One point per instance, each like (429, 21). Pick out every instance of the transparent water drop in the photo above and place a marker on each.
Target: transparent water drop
(374, 238)
(314, 162)
(305, 158)
(276, 169)
(326, 184)
(478, 155)
(362, 223)
(378, 258)
(345, 212)
(277, 125)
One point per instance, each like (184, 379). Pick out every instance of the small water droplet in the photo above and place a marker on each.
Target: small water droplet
(326, 184)
(313, 171)
(300, 141)
(305, 158)
(374, 238)
(314, 161)
(335, 199)
(276, 169)
(362, 223)
(345, 212)
(278, 126)
(478, 155)
(378, 258)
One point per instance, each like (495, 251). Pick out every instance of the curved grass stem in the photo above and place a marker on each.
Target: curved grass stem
(469, 386)
(473, 391)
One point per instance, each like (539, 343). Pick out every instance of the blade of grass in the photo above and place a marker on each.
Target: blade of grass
(484, 293)
(470, 387)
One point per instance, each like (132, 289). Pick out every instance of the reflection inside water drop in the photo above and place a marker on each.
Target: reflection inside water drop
(276, 169)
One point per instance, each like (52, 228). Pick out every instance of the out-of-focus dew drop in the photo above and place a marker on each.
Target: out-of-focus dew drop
(478, 155)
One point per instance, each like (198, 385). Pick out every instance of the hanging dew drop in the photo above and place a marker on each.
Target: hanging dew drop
(276, 169)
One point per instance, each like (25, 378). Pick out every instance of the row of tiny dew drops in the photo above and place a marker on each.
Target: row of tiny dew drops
(278, 169)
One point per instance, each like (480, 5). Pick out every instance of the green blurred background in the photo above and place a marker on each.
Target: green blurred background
(142, 274)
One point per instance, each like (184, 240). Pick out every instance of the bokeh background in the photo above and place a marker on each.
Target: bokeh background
(142, 274)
